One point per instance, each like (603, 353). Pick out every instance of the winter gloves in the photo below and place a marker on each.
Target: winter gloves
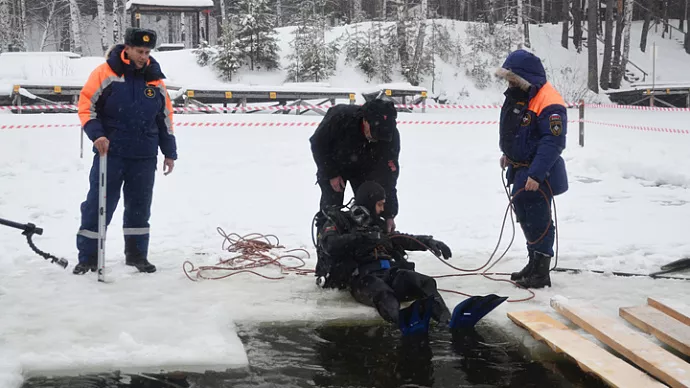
(439, 248)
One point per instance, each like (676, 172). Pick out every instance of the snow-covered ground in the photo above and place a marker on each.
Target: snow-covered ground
(627, 210)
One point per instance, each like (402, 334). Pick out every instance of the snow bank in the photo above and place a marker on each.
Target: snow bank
(566, 68)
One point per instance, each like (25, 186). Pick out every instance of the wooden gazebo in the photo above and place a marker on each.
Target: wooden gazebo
(162, 7)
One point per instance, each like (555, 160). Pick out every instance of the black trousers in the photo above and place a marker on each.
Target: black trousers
(385, 289)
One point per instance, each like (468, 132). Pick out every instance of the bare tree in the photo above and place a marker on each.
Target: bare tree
(687, 30)
(593, 12)
(5, 22)
(627, 25)
(605, 78)
(357, 14)
(419, 44)
(577, 24)
(566, 24)
(75, 24)
(117, 25)
(102, 24)
(401, 32)
(649, 12)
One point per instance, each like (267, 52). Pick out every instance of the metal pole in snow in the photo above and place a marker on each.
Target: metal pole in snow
(651, 100)
(582, 123)
(102, 177)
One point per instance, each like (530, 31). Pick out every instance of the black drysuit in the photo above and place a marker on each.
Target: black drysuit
(340, 148)
(372, 264)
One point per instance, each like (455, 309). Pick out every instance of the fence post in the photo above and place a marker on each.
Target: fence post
(582, 123)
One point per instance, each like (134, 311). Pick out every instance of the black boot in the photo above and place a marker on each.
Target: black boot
(540, 275)
(136, 257)
(82, 268)
(525, 271)
(141, 264)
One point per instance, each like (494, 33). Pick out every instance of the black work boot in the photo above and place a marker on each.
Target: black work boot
(525, 271)
(135, 257)
(82, 268)
(539, 277)
(141, 264)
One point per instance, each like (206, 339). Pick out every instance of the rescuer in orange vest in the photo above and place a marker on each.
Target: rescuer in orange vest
(533, 128)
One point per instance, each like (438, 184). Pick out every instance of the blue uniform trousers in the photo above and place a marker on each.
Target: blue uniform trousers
(533, 214)
(135, 178)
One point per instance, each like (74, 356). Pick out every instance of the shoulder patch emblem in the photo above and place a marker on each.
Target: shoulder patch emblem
(526, 119)
(330, 229)
(149, 92)
(556, 124)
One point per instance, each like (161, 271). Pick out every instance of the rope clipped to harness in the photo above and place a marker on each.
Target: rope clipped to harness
(252, 251)
(29, 230)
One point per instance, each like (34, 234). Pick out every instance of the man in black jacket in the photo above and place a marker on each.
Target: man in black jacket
(355, 144)
(360, 255)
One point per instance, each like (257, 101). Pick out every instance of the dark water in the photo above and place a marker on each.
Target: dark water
(369, 356)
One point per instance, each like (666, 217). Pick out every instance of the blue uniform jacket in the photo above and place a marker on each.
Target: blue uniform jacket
(128, 106)
(533, 125)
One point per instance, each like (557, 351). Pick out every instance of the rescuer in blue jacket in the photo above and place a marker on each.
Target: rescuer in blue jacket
(533, 128)
(125, 110)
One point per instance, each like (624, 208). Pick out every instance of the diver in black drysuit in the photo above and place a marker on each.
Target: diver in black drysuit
(355, 252)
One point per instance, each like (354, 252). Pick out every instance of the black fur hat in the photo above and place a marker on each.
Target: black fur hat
(139, 37)
(381, 115)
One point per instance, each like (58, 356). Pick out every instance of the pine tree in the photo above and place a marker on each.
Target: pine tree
(312, 58)
(205, 53)
(228, 60)
(256, 35)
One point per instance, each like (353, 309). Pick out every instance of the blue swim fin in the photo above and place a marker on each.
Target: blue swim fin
(468, 312)
(415, 318)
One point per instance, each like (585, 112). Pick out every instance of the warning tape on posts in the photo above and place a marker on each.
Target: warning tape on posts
(641, 127)
(262, 124)
(253, 108)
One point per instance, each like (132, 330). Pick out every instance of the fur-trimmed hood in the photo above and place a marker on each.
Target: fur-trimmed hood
(152, 72)
(524, 69)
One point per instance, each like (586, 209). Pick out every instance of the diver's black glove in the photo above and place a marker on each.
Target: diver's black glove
(371, 239)
(439, 248)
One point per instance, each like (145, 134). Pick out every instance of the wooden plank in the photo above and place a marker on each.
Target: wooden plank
(649, 356)
(667, 329)
(590, 357)
(669, 310)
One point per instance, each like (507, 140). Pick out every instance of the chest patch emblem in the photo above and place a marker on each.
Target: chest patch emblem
(526, 120)
(150, 92)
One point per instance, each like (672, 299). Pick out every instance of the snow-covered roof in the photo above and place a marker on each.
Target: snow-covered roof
(171, 3)
(657, 86)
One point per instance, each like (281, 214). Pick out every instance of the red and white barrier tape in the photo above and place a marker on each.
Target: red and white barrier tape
(326, 106)
(273, 123)
(316, 123)
(641, 127)
(636, 107)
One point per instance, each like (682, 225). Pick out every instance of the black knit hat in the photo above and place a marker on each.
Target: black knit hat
(368, 193)
(381, 115)
(139, 37)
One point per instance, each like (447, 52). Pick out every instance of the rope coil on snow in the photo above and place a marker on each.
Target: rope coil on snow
(253, 251)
